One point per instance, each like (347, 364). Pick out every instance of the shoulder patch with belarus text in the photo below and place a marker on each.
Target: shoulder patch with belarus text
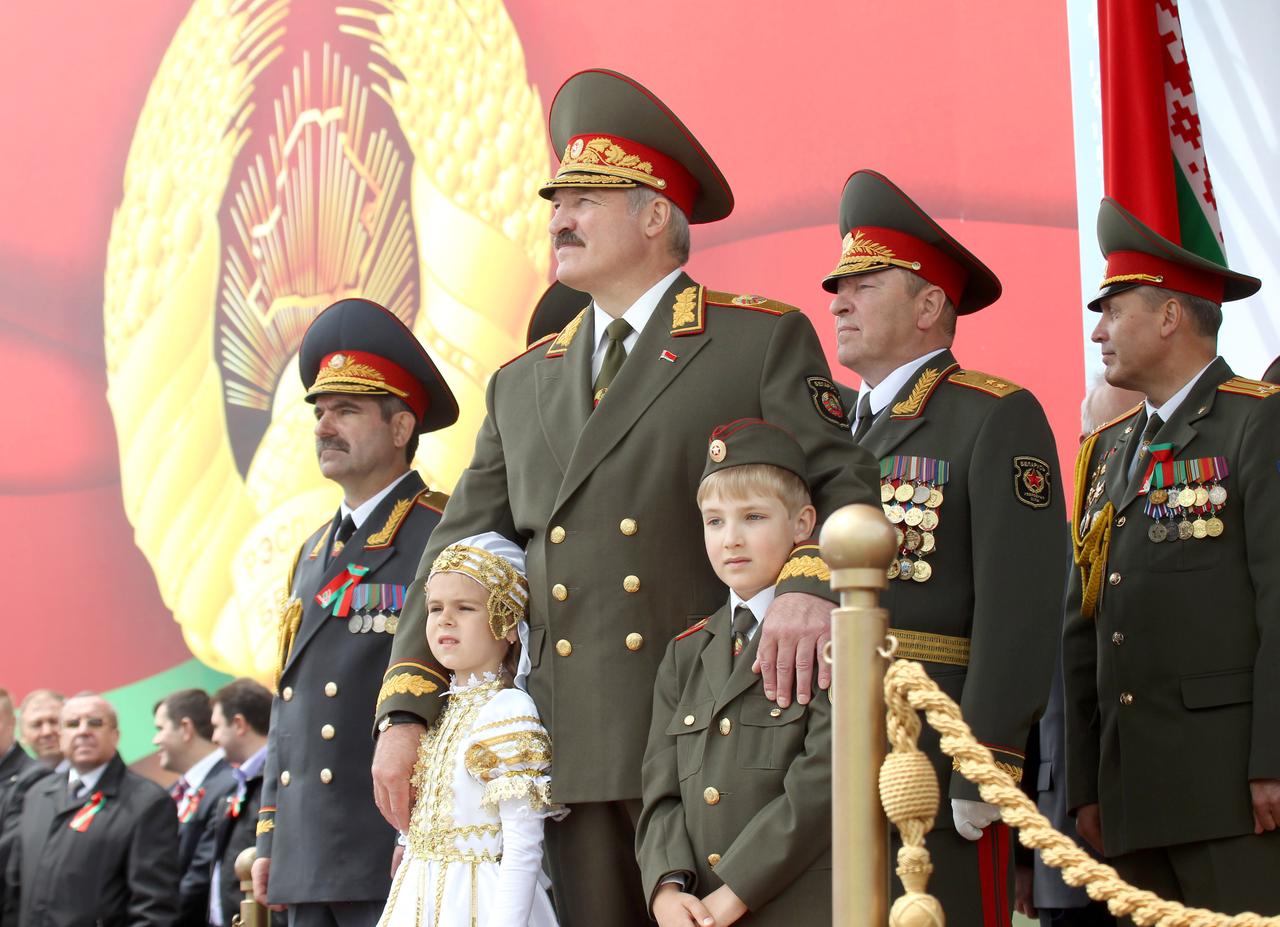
(1031, 482)
(826, 399)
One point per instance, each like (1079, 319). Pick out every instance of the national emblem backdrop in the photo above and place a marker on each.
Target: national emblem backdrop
(187, 184)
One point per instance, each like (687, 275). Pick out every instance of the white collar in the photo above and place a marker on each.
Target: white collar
(89, 780)
(365, 508)
(758, 603)
(199, 770)
(637, 315)
(1171, 404)
(883, 392)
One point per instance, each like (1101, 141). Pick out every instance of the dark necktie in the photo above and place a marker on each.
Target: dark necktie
(743, 621)
(179, 790)
(1140, 457)
(73, 790)
(865, 418)
(345, 530)
(614, 355)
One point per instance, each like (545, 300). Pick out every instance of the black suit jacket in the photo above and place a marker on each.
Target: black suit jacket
(18, 772)
(120, 870)
(196, 845)
(233, 833)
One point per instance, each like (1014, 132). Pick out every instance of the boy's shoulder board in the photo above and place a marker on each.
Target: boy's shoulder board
(698, 626)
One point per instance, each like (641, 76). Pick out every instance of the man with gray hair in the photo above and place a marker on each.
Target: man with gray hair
(41, 730)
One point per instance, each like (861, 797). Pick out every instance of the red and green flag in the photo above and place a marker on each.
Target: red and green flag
(1153, 154)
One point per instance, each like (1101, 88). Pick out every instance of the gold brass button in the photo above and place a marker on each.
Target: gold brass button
(1114, 579)
(775, 713)
(331, 689)
(628, 526)
(557, 535)
(287, 693)
(285, 777)
(711, 795)
(688, 720)
(725, 726)
(712, 859)
(564, 648)
(1120, 522)
(635, 641)
(1117, 638)
(326, 776)
(559, 592)
(327, 732)
(1126, 698)
(631, 584)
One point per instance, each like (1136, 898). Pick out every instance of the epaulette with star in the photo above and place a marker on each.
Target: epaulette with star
(1123, 416)
(1242, 386)
(984, 382)
(689, 312)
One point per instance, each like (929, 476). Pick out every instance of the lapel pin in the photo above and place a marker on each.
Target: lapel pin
(668, 357)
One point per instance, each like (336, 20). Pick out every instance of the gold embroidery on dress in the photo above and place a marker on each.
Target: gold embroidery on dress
(388, 530)
(405, 684)
(685, 310)
(911, 405)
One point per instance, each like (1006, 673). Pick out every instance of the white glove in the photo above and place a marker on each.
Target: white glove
(972, 816)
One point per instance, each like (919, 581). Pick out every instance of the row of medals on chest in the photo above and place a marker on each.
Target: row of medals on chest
(912, 508)
(378, 623)
(1183, 506)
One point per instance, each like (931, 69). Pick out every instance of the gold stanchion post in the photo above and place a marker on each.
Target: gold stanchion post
(251, 913)
(857, 543)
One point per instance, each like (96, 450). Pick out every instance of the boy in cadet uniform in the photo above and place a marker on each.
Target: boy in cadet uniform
(736, 823)
(1171, 648)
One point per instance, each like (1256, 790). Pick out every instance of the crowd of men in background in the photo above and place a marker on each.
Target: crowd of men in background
(84, 838)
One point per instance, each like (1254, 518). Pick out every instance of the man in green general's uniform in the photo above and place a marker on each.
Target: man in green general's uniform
(1171, 649)
(966, 476)
(590, 456)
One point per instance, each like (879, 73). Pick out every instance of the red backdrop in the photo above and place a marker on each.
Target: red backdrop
(965, 105)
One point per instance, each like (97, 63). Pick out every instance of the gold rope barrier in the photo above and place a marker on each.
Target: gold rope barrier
(909, 792)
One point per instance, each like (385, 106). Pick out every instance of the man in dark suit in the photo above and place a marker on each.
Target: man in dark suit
(241, 716)
(323, 848)
(100, 845)
(1171, 648)
(967, 476)
(18, 772)
(183, 742)
(590, 456)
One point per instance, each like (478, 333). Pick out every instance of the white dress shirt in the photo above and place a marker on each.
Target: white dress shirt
(365, 509)
(1171, 404)
(88, 781)
(637, 316)
(758, 603)
(883, 392)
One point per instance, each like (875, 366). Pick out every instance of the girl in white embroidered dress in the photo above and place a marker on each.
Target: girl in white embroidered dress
(474, 855)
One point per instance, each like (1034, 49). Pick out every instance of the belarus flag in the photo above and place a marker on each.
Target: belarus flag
(1153, 159)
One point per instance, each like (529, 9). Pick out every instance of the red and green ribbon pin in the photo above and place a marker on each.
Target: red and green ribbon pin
(335, 597)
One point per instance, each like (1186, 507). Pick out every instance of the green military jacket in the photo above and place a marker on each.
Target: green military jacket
(1173, 683)
(736, 790)
(604, 502)
(985, 618)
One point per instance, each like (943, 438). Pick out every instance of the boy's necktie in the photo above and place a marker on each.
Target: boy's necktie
(743, 621)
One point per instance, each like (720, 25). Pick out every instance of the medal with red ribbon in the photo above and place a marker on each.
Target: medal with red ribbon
(335, 597)
(81, 820)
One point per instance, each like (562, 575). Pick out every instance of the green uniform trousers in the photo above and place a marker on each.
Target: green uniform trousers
(591, 858)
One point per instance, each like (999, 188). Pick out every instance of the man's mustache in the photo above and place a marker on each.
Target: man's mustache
(566, 238)
(331, 444)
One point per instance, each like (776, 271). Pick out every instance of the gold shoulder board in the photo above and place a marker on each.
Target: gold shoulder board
(533, 347)
(747, 301)
(984, 382)
(433, 500)
(1115, 421)
(1245, 387)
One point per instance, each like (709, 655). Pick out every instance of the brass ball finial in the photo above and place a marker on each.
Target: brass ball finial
(244, 864)
(858, 537)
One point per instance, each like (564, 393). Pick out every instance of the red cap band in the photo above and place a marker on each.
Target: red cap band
(627, 160)
(368, 374)
(1144, 269)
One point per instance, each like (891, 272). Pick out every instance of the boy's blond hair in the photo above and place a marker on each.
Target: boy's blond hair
(741, 482)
